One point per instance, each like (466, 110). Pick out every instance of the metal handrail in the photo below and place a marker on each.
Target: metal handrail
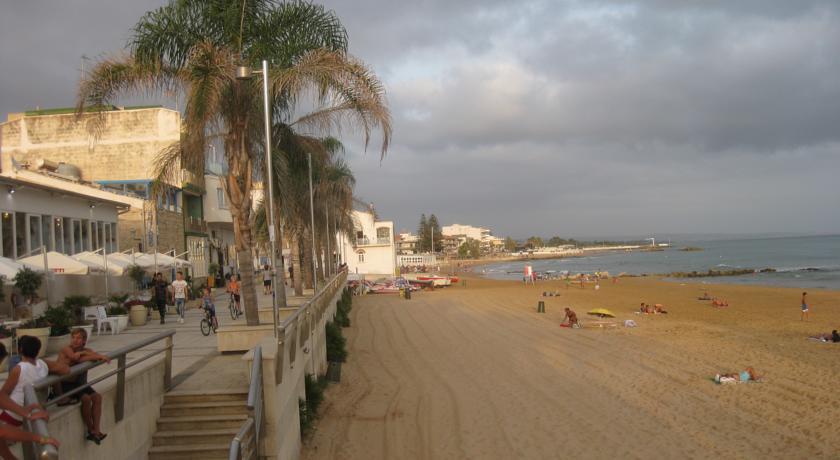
(30, 394)
(255, 409)
(293, 317)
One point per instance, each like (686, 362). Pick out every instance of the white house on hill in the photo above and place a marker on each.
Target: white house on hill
(372, 249)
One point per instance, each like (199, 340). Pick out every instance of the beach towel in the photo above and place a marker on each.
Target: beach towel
(630, 323)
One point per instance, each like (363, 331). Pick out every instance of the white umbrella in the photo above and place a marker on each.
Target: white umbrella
(61, 264)
(115, 266)
(9, 268)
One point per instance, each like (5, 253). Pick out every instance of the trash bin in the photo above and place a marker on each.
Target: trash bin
(407, 293)
(540, 307)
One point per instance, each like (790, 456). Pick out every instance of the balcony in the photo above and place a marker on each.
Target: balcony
(195, 225)
(365, 241)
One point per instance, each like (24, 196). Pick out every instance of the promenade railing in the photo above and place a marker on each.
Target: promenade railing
(32, 451)
(245, 445)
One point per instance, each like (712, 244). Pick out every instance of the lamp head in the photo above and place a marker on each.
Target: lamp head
(243, 72)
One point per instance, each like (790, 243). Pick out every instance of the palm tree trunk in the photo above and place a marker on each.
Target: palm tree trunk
(297, 274)
(238, 183)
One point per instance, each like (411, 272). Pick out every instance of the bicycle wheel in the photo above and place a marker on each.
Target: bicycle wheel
(205, 327)
(232, 308)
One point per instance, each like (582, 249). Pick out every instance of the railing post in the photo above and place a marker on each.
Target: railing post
(167, 375)
(278, 356)
(119, 402)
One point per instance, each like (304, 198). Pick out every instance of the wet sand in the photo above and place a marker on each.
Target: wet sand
(475, 372)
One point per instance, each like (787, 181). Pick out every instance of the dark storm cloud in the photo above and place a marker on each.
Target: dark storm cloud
(553, 117)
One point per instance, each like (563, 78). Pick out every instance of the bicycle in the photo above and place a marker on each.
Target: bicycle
(208, 323)
(234, 312)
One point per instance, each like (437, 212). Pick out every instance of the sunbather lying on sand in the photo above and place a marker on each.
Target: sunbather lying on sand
(720, 303)
(705, 296)
(833, 337)
(658, 309)
(747, 375)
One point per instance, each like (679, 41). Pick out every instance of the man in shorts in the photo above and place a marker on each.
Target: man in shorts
(71, 355)
(266, 281)
(179, 294)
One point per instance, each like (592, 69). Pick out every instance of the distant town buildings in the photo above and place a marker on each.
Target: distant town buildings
(457, 234)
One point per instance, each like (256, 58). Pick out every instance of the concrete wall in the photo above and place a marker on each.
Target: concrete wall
(302, 351)
(126, 149)
(128, 439)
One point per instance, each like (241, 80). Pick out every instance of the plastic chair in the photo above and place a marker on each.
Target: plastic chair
(103, 319)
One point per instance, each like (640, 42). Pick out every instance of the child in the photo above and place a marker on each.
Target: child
(207, 305)
(28, 371)
(71, 355)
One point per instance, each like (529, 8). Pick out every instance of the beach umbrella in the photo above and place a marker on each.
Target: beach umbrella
(601, 312)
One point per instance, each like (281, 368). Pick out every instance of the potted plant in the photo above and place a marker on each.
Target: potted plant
(36, 327)
(121, 313)
(136, 273)
(137, 312)
(117, 300)
(60, 319)
(28, 281)
(213, 271)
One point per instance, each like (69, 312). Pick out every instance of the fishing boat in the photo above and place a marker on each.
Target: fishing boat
(438, 281)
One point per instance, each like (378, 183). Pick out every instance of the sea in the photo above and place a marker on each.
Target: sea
(800, 261)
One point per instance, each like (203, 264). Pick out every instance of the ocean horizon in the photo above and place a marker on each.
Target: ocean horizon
(804, 261)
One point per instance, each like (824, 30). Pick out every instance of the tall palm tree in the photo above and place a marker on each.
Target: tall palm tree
(195, 46)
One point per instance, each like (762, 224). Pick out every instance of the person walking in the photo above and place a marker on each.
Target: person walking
(266, 281)
(160, 295)
(804, 316)
(179, 294)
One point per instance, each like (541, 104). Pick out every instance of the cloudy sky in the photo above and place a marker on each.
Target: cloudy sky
(571, 118)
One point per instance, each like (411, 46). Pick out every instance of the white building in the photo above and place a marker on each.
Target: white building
(407, 243)
(489, 243)
(371, 250)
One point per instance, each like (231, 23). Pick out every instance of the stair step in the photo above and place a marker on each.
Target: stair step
(181, 397)
(189, 423)
(188, 437)
(203, 408)
(202, 451)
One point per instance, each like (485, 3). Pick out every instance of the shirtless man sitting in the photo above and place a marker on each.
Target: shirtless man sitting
(71, 355)
(572, 317)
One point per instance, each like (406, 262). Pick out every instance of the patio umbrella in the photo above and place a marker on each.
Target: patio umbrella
(601, 312)
(9, 268)
(115, 266)
(61, 264)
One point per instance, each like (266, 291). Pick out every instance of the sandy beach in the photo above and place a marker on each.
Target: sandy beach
(475, 372)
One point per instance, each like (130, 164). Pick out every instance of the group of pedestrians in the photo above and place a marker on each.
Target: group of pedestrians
(178, 293)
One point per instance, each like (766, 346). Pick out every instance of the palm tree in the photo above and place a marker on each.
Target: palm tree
(195, 46)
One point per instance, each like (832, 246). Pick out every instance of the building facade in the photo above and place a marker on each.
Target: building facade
(371, 250)
(121, 160)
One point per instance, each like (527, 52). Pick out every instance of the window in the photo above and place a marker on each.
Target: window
(59, 236)
(20, 234)
(113, 240)
(77, 237)
(34, 234)
(220, 198)
(46, 232)
(140, 190)
(85, 235)
(94, 235)
(361, 257)
(67, 229)
(8, 234)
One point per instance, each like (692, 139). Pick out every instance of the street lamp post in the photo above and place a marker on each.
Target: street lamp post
(312, 217)
(244, 73)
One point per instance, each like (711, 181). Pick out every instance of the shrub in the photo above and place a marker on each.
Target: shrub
(5, 332)
(134, 302)
(34, 323)
(136, 273)
(75, 304)
(336, 343)
(308, 409)
(343, 307)
(118, 299)
(213, 269)
(116, 311)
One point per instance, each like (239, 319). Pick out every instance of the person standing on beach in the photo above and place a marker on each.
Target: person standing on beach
(804, 316)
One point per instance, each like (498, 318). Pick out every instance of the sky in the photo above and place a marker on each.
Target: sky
(569, 118)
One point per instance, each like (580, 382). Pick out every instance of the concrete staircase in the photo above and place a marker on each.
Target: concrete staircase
(198, 424)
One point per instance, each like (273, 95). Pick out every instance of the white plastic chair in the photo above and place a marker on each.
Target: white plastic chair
(103, 319)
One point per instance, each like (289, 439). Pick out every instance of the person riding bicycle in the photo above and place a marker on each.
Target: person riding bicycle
(209, 307)
(233, 289)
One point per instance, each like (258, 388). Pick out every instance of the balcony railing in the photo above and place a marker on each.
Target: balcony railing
(195, 225)
(365, 241)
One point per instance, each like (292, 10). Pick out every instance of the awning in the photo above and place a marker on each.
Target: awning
(61, 264)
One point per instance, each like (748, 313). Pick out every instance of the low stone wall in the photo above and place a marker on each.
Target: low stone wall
(301, 350)
(128, 439)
